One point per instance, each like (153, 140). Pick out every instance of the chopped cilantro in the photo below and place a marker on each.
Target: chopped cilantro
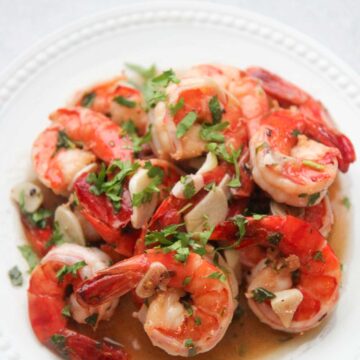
(88, 99)
(29, 255)
(212, 133)
(210, 186)
(296, 133)
(239, 312)
(240, 221)
(59, 341)
(217, 275)
(174, 108)
(185, 124)
(145, 73)
(189, 187)
(121, 100)
(318, 256)
(70, 269)
(346, 202)
(56, 238)
(154, 88)
(275, 238)
(187, 280)
(63, 141)
(197, 320)
(137, 141)
(260, 295)
(66, 311)
(157, 175)
(112, 188)
(92, 319)
(15, 276)
(313, 198)
(258, 216)
(215, 109)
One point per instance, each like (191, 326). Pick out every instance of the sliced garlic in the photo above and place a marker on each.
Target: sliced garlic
(141, 214)
(233, 259)
(209, 212)
(179, 188)
(86, 169)
(28, 195)
(155, 276)
(285, 304)
(69, 225)
(209, 164)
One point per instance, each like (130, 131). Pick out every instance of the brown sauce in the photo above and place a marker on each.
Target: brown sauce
(247, 338)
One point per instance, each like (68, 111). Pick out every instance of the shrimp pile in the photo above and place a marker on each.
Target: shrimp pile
(188, 191)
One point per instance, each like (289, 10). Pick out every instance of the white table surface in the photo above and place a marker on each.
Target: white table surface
(335, 23)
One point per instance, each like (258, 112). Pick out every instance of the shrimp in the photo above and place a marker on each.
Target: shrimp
(319, 216)
(304, 276)
(55, 155)
(294, 284)
(64, 268)
(287, 94)
(288, 162)
(120, 227)
(118, 100)
(189, 305)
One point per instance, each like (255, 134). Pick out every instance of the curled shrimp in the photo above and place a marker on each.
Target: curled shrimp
(288, 94)
(56, 157)
(289, 163)
(189, 308)
(116, 99)
(120, 227)
(294, 284)
(320, 216)
(50, 304)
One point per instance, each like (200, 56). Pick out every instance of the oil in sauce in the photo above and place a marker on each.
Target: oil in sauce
(246, 339)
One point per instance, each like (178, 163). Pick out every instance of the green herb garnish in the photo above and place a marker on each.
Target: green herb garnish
(15, 276)
(215, 109)
(88, 99)
(185, 124)
(123, 101)
(29, 255)
(70, 269)
(260, 295)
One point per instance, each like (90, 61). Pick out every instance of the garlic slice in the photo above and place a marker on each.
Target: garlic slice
(233, 260)
(285, 304)
(210, 211)
(28, 195)
(209, 164)
(69, 225)
(141, 214)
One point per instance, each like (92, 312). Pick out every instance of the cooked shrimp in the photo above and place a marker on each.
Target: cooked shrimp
(56, 157)
(64, 268)
(294, 282)
(118, 100)
(190, 305)
(288, 94)
(303, 277)
(292, 167)
(320, 216)
(112, 224)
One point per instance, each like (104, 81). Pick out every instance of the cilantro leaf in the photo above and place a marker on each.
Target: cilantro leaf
(261, 294)
(137, 141)
(218, 276)
(123, 101)
(215, 109)
(56, 238)
(212, 133)
(29, 255)
(185, 124)
(63, 141)
(15, 276)
(92, 319)
(174, 108)
(88, 99)
(70, 269)
(312, 198)
(189, 187)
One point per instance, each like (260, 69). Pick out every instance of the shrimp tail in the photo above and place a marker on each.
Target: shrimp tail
(114, 281)
(75, 346)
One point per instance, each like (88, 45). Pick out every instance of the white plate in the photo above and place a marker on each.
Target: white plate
(174, 34)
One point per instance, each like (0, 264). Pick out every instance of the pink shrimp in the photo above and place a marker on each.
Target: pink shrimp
(118, 100)
(171, 288)
(48, 297)
(56, 157)
(288, 94)
(292, 160)
(295, 281)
